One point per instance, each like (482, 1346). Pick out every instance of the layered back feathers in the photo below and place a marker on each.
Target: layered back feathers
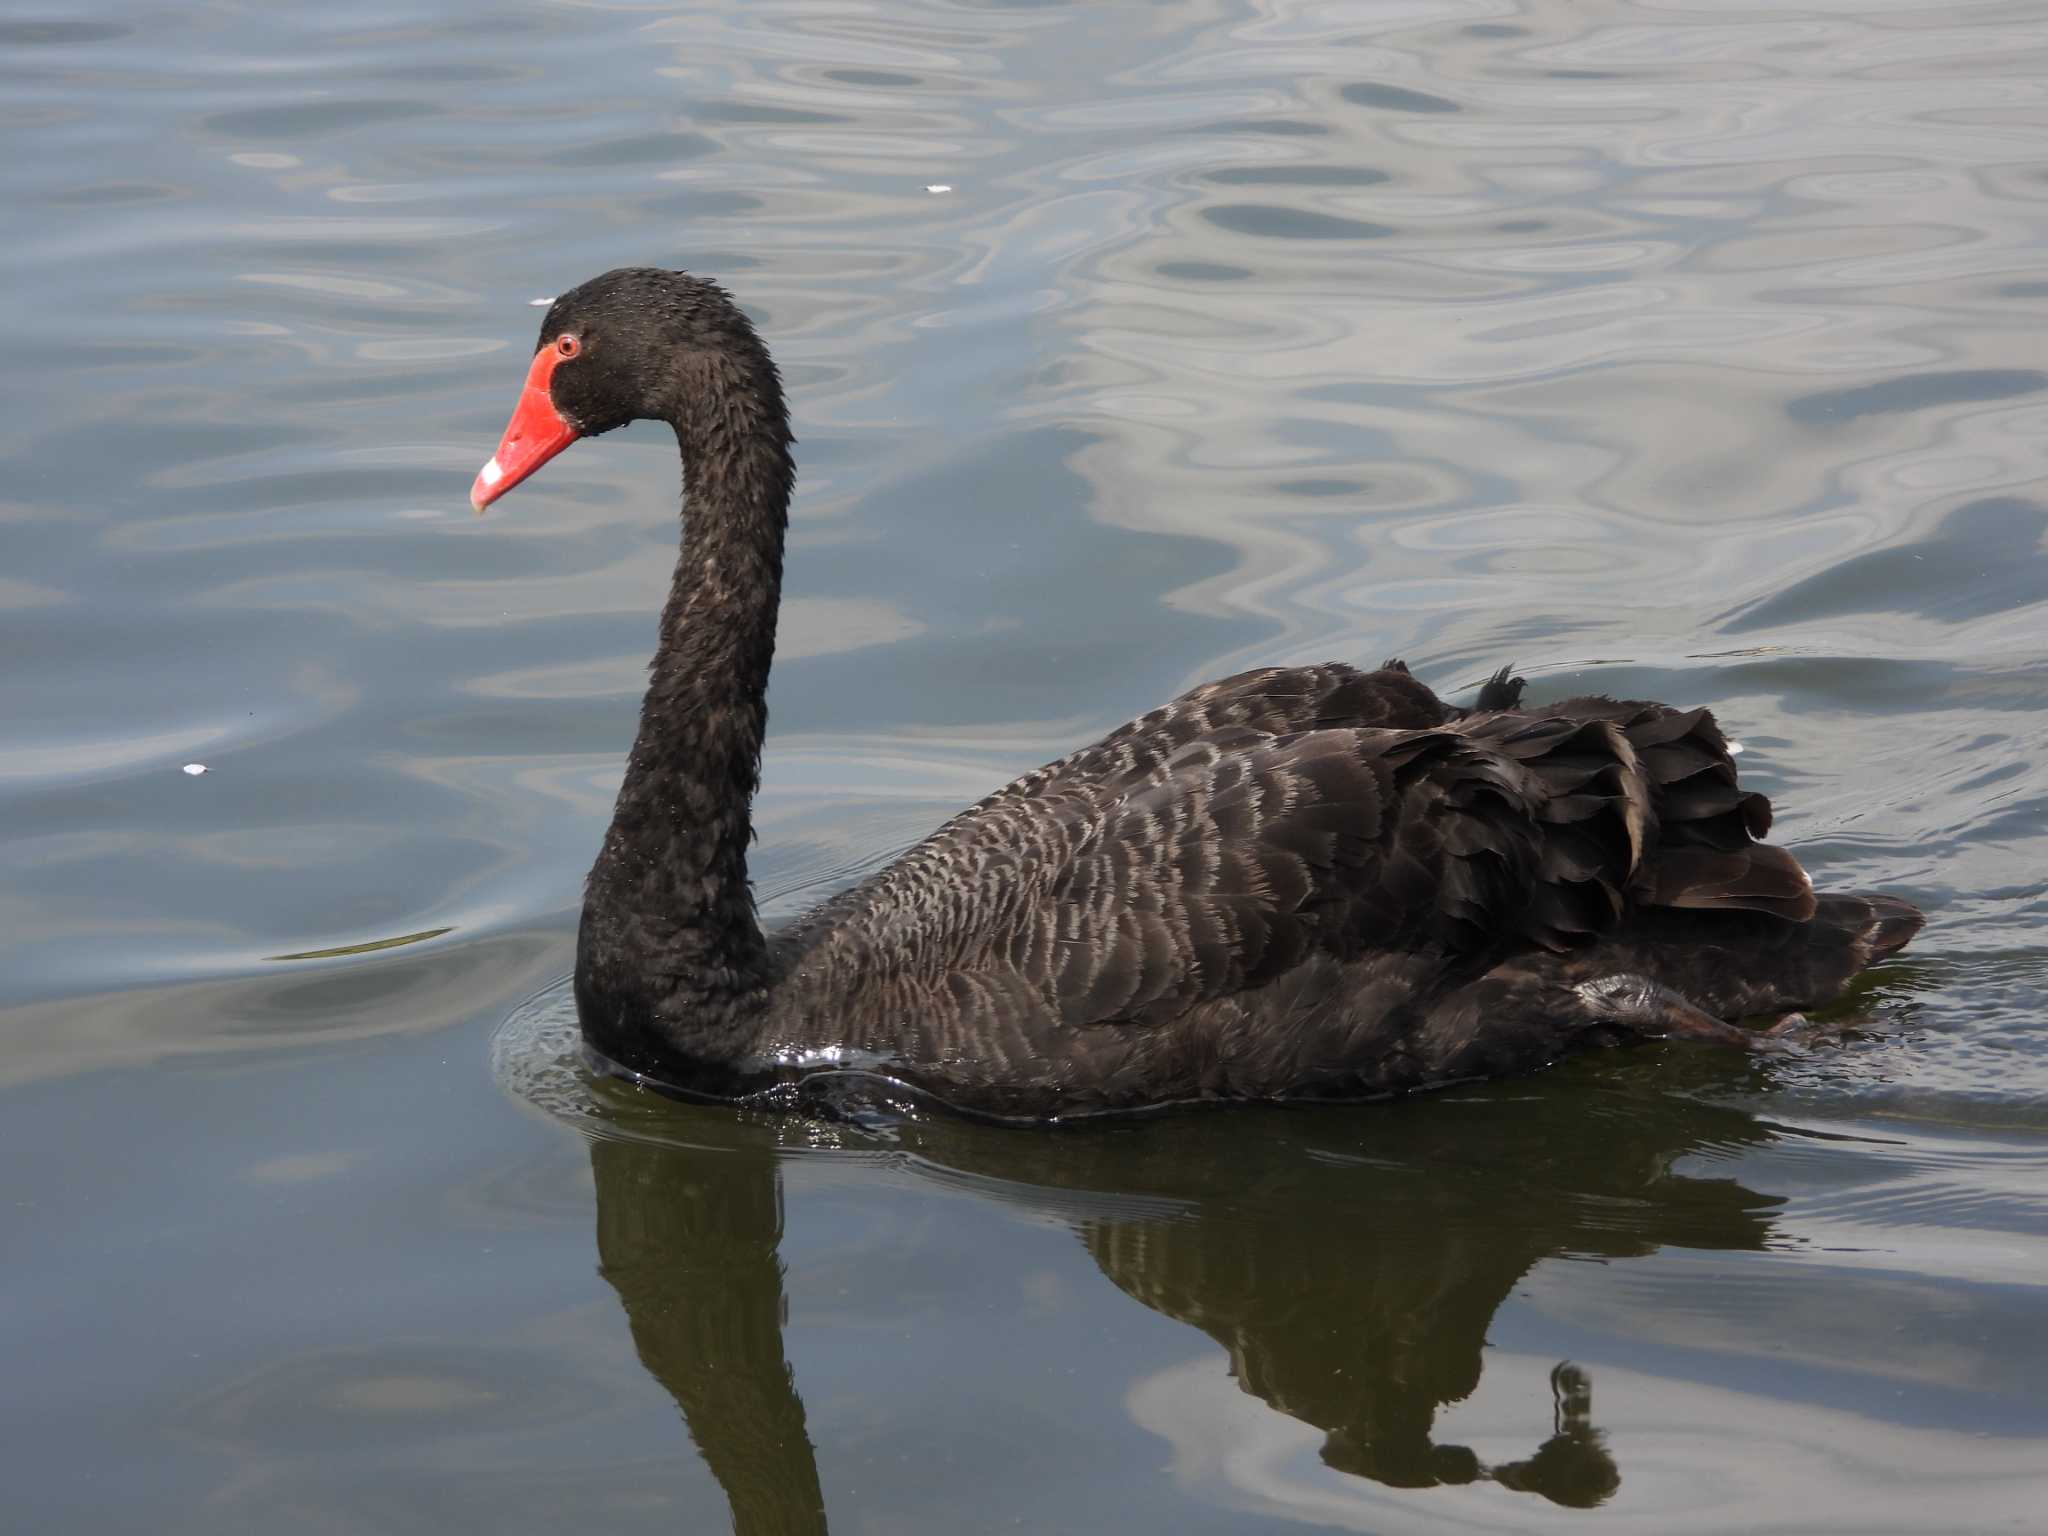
(1219, 842)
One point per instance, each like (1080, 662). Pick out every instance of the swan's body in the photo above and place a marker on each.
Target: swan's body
(1299, 882)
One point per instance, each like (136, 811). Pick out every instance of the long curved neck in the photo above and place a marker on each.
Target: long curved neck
(668, 926)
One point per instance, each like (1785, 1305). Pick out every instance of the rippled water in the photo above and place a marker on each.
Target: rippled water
(1676, 350)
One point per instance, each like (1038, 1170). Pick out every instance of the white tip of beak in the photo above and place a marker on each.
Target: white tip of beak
(486, 479)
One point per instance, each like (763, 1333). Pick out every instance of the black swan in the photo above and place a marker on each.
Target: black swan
(1310, 882)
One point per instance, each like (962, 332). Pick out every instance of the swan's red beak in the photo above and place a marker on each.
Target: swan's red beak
(535, 434)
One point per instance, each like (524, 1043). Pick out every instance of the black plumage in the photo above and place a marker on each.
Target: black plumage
(1308, 881)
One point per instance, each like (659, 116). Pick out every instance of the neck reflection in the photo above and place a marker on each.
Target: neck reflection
(689, 1241)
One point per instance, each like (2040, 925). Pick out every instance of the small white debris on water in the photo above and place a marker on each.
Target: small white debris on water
(1735, 749)
(539, 303)
(195, 769)
(491, 474)
(937, 187)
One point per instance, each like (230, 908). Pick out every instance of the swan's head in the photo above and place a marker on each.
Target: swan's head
(623, 347)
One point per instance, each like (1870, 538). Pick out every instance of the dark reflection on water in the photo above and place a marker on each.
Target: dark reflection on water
(1395, 98)
(1983, 558)
(1291, 223)
(1914, 393)
(1348, 1266)
(690, 1240)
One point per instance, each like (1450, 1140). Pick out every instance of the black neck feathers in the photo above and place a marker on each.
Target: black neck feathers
(669, 926)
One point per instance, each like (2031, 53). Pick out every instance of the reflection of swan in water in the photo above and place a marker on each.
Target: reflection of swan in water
(1349, 1266)
(688, 1238)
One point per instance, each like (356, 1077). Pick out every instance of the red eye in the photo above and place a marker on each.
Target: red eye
(568, 345)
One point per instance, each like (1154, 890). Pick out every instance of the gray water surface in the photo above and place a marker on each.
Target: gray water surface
(1683, 351)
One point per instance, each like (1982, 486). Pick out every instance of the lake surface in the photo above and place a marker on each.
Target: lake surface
(1682, 351)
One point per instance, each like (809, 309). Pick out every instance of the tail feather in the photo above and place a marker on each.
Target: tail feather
(1644, 800)
(1503, 690)
(1703, 849)
(1889, 924)
(1649, 845)
(1735, 963)
(1759, 878)
(1666, 973)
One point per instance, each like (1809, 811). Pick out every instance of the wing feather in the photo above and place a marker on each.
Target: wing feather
(1216, 844)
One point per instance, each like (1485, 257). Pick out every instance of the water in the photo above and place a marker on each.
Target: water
(1680, 351)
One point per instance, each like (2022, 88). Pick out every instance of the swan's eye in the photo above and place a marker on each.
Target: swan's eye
(568, 345)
